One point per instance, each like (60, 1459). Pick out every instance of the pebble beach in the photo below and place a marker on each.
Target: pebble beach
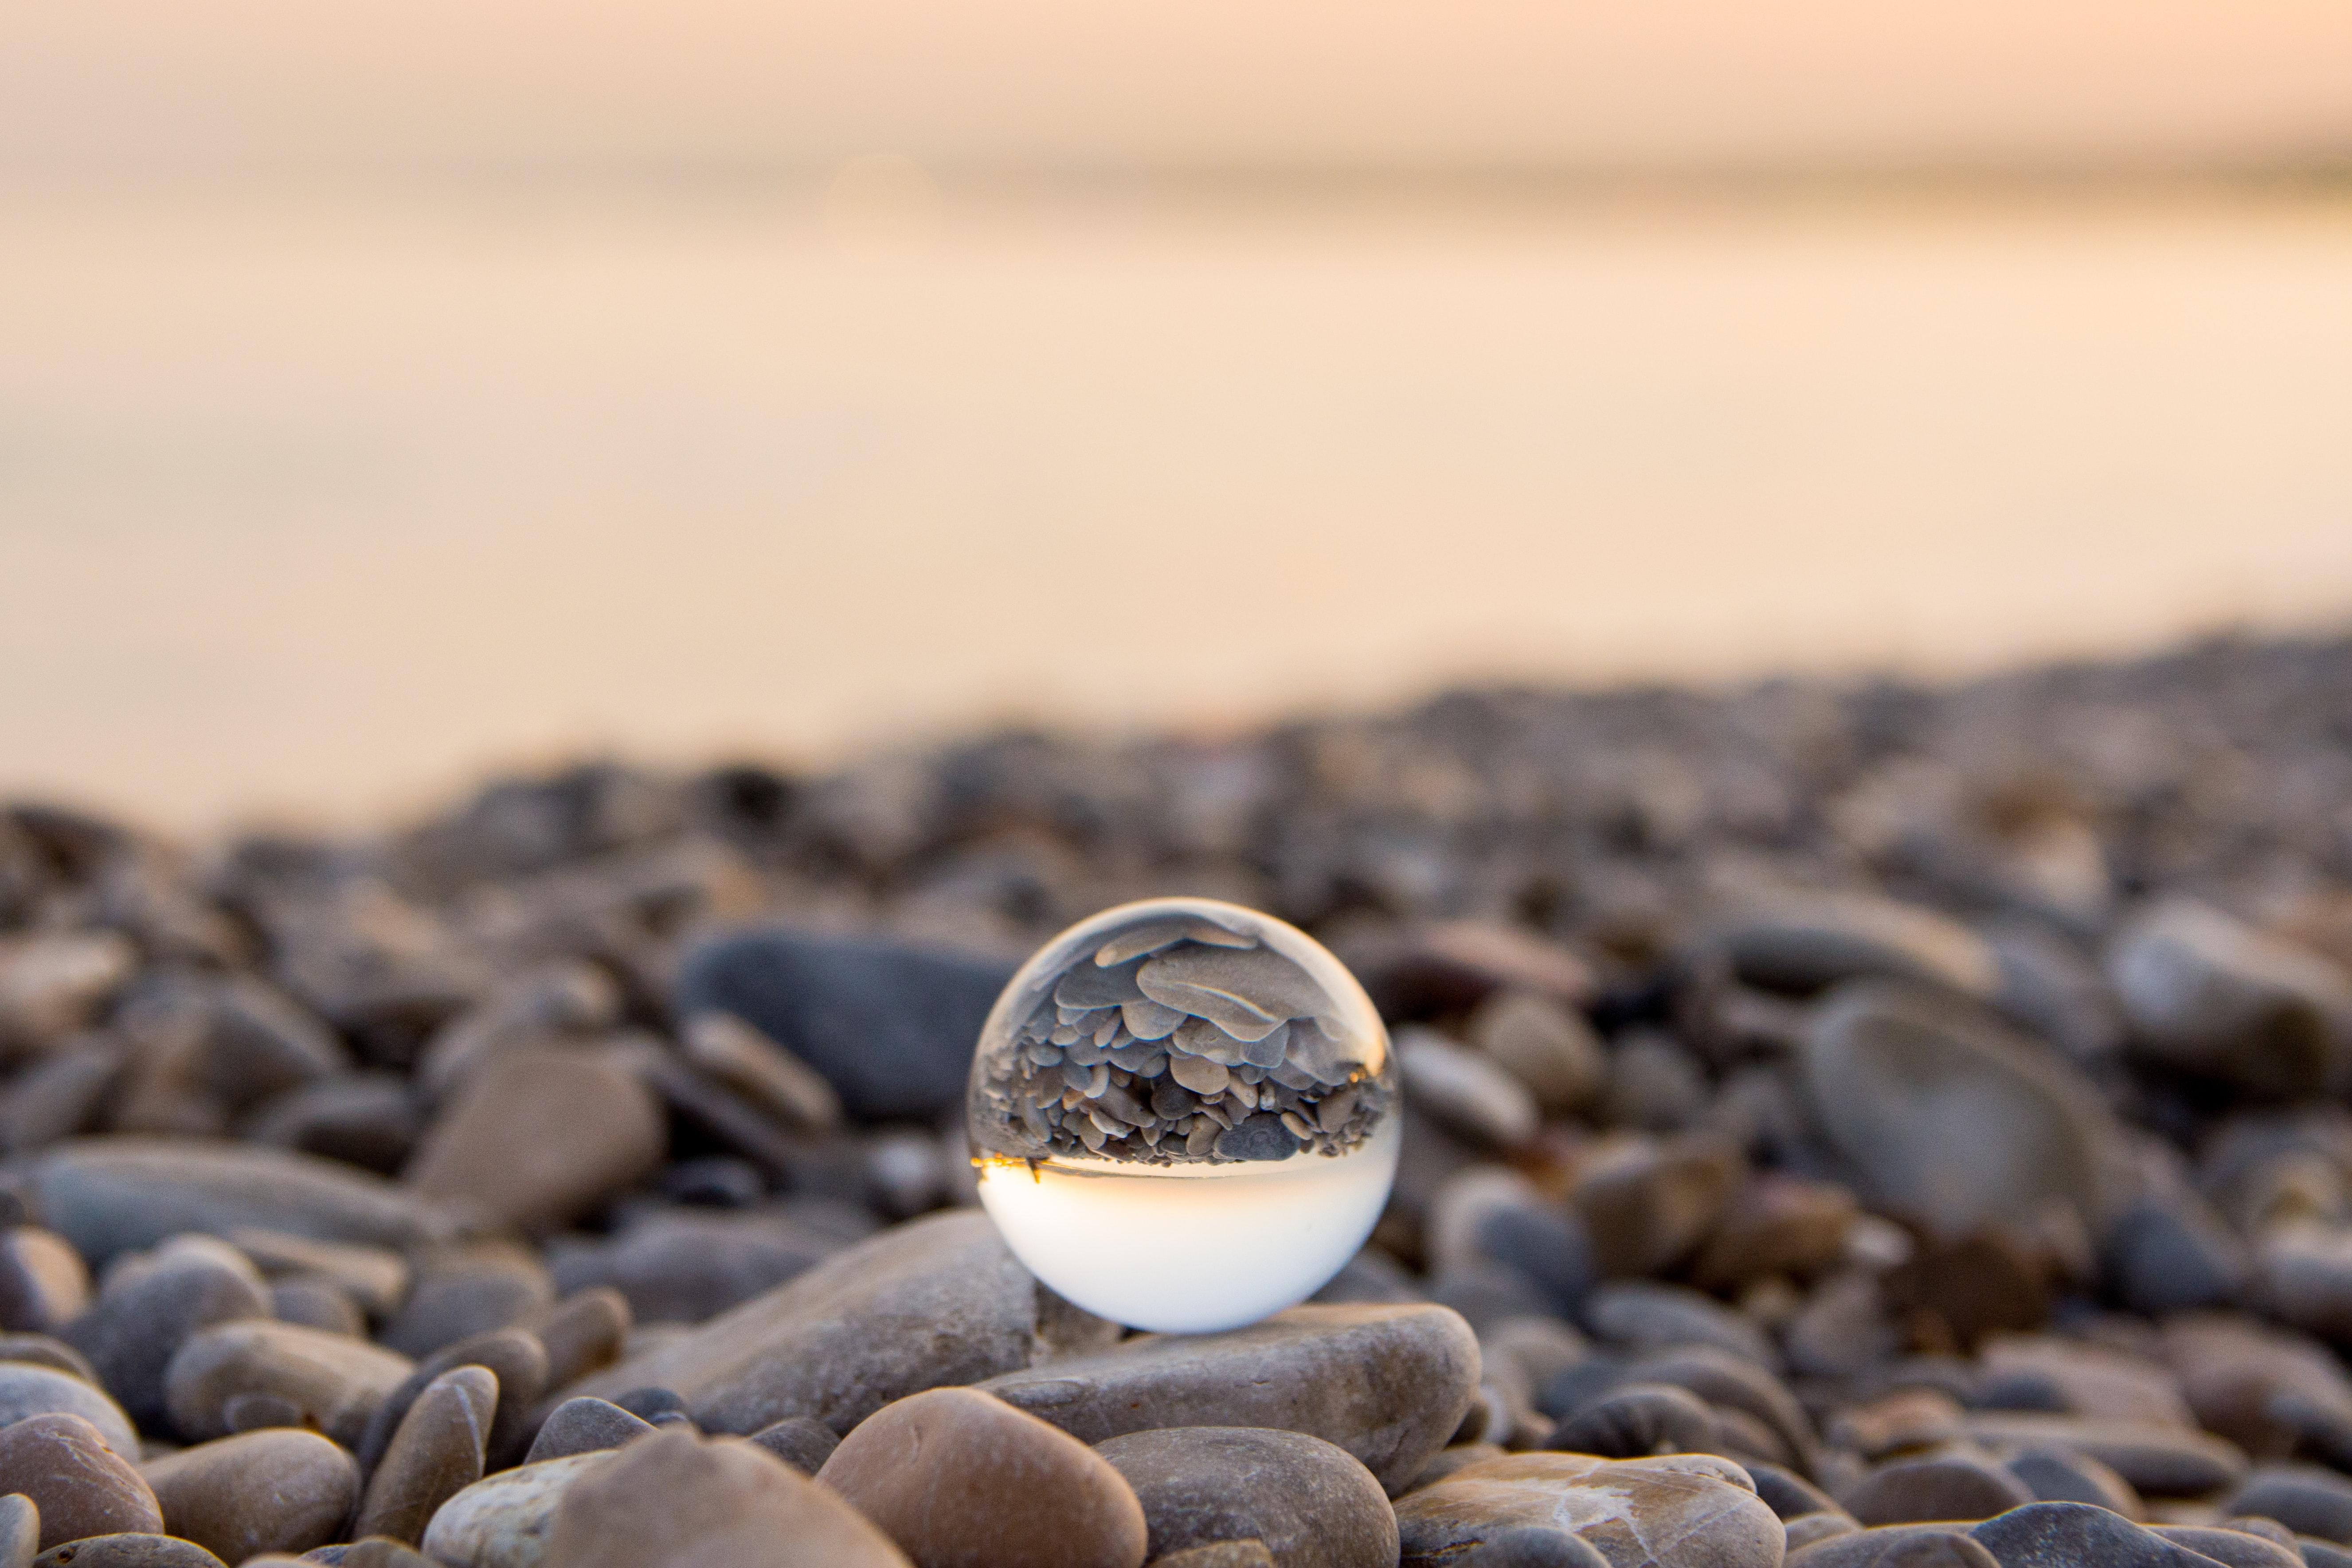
(1842, 1124)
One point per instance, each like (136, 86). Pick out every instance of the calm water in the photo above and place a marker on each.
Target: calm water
(322, 502)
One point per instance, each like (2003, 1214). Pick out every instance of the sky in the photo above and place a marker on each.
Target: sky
(142, 87)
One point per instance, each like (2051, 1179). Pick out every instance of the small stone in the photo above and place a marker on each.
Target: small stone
(466, 1291)
(760, 1071)
(1637, 1421)
(368, 1120)
(2208, 994)
(1646, 1315)
(1807, 942)
(1655, 1085)
(2160, 1460)
(52, 982)
(40, 1350)
(1896, 1546)
(951, 1474)
(802, 1443)
(27, 1389)
(2069, 1535)
(2089, 1380)
(1199, 1074)
(1465, 1089)
(1389, 1385)
(317, 1304)
(128, 1549)
(2231, 1548)
(675, 1498)
(1261, 1136)
(1218, 1554)
(1452, 965)
(2305, 1499)
(1648, 1206)
(1908, 1418)
(1485, 1216)
(1310, 1504)
(436, 1452)
(43, 1281)
(110, 1195)
(20, 1531)
(887, 1025)
(1777, 1224)
(1807, 1528)
(1630, 1509)
(80, 1485)
(150, 1306)
(687, 1267)
(374, 1277)
(276, 1490)
(553, 1000)
(1544, 1044)
(514, 1359)
(537, 1137)
(585, 1426)
(1786, 1493)
(2061, 1475)
(1918, 1491)
(503, 1520)
(328, 1382)
(582, 1334)
(937, 1300)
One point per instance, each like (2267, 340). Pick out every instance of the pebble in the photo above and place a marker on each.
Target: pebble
(760, 1071)
(27, 1389)
(2306, 1499)
(801, 1442)
(150, 1306)
(585, 1426)
(1545, 1043)
(128, 1549)
(1310, 1504)
(1648, 1206)
(295, 1377)
(2153, 1456)
(43, 1281)
(536, 1139)
(369, 1121)
(2206, 992)
(276, 1490)
(1389, 1385)
(1777, 1224)
(689, 1267)
(1914, 1492)
(503, 1520)
(462, 1291)
(677, 1498)
(1945, 1116)
(2062, 1475)
(437, 1450)
(376, 1278)
(951, 1474)
(1218, 1554)
(40, 1350)
(1485, 1216)
(315, 1304)
(934, 1302)
(1636, 1421)
(2231, 1548)
(2071, 1535)
(515, 1362)
(1810, 941)
(1629, 1509)
(1465, 1089)
(584, 1333)
(1808, 1528)
(1643, 1315)
(112, 1195)
(80, 1485)
(20, 1531)
(888, 1026)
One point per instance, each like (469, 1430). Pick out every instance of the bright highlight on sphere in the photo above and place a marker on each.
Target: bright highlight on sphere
(1185, 1115)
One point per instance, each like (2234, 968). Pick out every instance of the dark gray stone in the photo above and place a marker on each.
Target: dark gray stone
(1312, 1504)
(2071, 1535)
(585, 1426)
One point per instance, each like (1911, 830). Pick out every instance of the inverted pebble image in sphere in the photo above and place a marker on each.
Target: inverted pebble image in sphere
(1185, 1114)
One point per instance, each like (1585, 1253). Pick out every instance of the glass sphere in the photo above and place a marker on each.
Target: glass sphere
(1185, 1115)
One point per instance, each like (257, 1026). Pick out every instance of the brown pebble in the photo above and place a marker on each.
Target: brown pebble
(952, 1475)
(536, 1138)
(43, 1281)
(129, 1550)
(1218, 1554)
(674, 1497)
(20, 1531)
(80, 1486)
(331, 1382)
(437, 1453)
(584, 1334)
(281, 1489)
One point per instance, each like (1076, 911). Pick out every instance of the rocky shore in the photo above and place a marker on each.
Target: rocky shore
(1843, 1126)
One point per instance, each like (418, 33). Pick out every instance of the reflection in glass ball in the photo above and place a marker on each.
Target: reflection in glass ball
(1184, 1115)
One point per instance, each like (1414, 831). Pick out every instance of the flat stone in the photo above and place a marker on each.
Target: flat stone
(802, 1442)
(2231, 1548)
(2089, 1380)
(2305, 1499)
(952, 1476)
(150, 1306)
(281, 1489)
(2062, 1475)
(1919, 1491)
(512, 1356)
(462, 1291)
(1545, 1043)
(1785, 1492)
(2205, 992)
(369, 1119)
(691, 1266)
(328, 1382)
(538, 1137)
(764, 1072)
(80, 1485)
(1776, 1224)
(1637, 1421)
(128, 1549)
(2071, 1535)
(1311, 1504)
(1218, 1554)
(1648, 1206)
(503, 1520)
(436, 1453)
(317, 1304)
(1944, 1116)
(1895, 1546)
(1807, 942)
(1488, 1216)
(43, 1281)
(375, 1552)
(674, 1497)
(585, 1426)
(935, 1301)
(1465, 1089)
(1646, 1315)
(2153, 1456)
(1908, 1418)
(1447, 965)
(584, 1333)
(889, 1026)
(40, 1350)
(1731, 1381)
(28, 1390)
(1691, 1510)
(1388, 1383)
(374, 1277)
(20, 1531)
(1808, 1528)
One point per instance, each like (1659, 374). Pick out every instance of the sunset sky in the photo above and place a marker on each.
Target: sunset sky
(143, 86)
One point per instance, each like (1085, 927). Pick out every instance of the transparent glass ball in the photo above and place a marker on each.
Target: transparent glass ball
(1185, 1115)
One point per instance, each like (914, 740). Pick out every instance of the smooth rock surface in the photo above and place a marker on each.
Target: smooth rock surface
(1311, 1504)
(436, 1453)
(503, 1520)
(129, 1550)
(1691, 1510)
(536, 1139)
(1389, 1385)
(328, 1382)
(278, 1489)
(80, 1485)
(27, 1389)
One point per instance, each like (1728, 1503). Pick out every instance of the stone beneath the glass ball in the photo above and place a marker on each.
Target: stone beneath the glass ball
(1185, 1114)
